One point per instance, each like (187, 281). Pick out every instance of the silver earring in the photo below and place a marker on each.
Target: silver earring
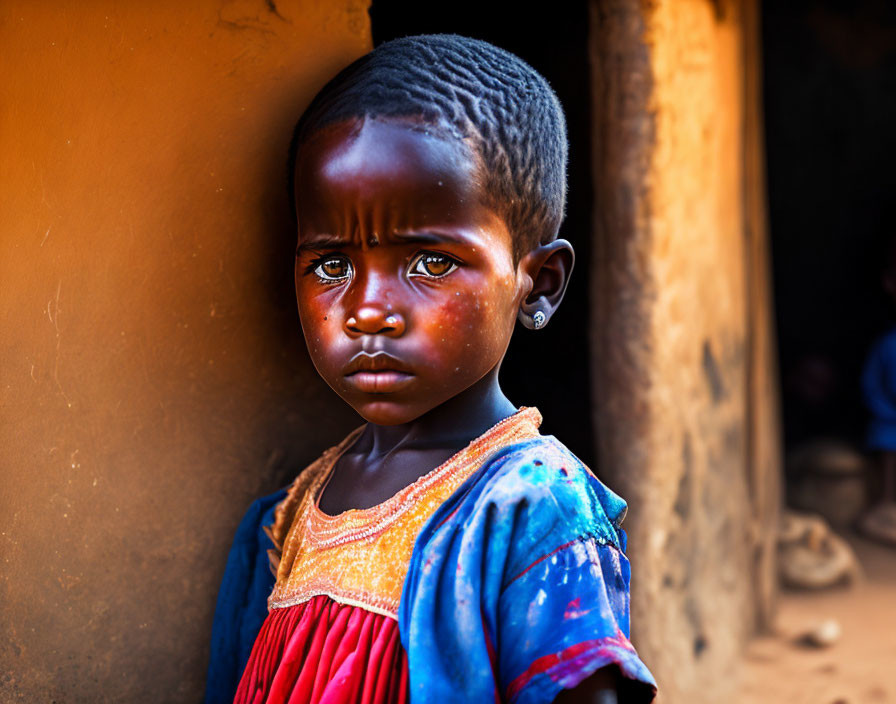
(539, 319)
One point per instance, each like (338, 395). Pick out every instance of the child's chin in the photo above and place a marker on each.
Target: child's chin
(386, 412)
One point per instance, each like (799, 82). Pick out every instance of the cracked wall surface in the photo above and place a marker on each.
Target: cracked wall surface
(153, 377)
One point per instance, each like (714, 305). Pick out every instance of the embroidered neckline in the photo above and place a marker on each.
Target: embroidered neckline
(360, 556)
(325, 530)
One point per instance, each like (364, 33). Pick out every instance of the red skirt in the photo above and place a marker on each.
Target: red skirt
(325, 652)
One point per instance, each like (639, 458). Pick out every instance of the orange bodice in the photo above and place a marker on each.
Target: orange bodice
(360, 557)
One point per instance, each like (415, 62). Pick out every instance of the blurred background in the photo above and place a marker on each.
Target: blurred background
(722, 358)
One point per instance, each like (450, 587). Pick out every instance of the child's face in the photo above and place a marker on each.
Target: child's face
(406, 284)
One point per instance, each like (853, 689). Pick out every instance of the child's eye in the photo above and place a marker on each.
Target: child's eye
(332, 268)
(432, 265)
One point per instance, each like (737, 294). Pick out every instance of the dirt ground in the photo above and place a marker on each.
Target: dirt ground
(860, 667)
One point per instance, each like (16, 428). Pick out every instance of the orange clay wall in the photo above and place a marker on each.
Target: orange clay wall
(153, 377)
(686, 411)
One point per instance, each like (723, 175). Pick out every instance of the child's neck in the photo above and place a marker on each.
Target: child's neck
(385, 459)
(453, 424)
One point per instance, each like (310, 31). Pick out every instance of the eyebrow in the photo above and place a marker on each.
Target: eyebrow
(431, 237)
(323, 242)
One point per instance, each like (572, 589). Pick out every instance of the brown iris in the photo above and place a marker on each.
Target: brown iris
(334, 267)
(432, 264)
(331, 268)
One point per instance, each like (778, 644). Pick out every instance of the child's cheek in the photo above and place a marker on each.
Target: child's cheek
(469, 326)
(317, 323)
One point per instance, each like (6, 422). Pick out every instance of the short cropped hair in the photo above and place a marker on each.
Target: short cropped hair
(489, 98)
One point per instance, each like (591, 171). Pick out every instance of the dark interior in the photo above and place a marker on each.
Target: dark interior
(830, 110)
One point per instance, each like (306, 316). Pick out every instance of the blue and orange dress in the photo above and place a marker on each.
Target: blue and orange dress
(500, 575)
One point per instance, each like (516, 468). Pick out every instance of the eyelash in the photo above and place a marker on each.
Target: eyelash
(318, 262)
(316, 265)
(421, 258)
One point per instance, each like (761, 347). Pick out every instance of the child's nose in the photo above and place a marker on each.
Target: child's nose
(369, 311)
(374, 320)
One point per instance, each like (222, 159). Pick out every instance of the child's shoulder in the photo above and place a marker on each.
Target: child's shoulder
(522, 569)
(553, 489)
(285, 511)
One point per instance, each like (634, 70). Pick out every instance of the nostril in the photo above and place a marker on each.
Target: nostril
(371, 321)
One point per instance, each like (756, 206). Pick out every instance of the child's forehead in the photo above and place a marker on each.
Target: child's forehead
(367, 147)
(385, 178)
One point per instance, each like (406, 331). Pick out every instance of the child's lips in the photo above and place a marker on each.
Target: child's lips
(379, 382)
(377, 373)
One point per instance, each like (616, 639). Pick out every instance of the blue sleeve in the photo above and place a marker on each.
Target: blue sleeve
(242, 601)
(519, 588)
(563, 609)
(567, 614)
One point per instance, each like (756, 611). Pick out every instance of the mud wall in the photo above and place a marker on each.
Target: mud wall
(685, 411)
(153, 378)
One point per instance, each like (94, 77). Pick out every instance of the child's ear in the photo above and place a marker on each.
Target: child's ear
(549, 266)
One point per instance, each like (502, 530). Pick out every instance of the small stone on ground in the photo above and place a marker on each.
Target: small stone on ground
(857, 668)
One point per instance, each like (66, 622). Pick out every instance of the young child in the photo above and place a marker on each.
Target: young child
(445, 551)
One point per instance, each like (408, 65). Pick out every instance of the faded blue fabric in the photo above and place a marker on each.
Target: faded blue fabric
(242, 601)
(879, 387)
(518, 585)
